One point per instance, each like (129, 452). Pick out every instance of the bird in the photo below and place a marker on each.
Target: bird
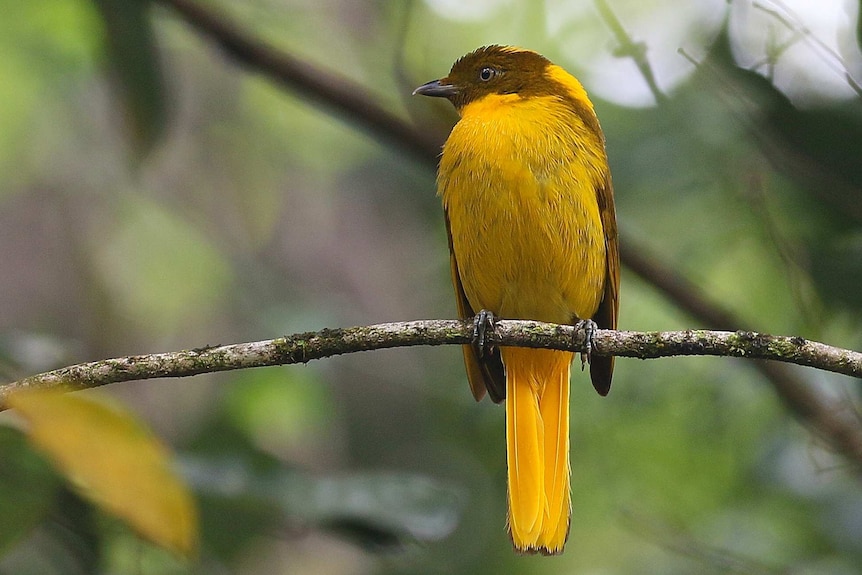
(529, 212)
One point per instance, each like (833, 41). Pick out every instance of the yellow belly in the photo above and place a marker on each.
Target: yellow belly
(524, 218)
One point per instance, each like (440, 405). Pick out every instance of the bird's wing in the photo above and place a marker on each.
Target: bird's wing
(485, 373)
(602, 368)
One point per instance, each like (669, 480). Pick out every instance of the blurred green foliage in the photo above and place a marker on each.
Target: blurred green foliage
(154, 195)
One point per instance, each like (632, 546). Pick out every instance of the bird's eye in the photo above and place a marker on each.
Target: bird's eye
(487, 73)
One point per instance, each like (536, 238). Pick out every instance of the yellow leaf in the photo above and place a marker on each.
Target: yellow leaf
(115, 461)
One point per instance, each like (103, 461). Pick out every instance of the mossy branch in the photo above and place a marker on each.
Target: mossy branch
(842, 431)
(304, 347)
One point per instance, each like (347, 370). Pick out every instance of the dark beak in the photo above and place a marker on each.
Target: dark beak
(437, 89)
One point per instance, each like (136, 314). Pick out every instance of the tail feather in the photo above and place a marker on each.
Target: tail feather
(554, 409)
(524, 457)
(537, 436)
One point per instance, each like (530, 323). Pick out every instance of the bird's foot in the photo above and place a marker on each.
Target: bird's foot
(483, 325)
(589, 327)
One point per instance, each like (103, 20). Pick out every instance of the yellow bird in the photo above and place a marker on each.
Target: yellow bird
(529, 209)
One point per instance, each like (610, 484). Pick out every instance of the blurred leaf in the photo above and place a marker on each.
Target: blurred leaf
(115, 461)
(27, 486)
(381, 511)
(131, 50)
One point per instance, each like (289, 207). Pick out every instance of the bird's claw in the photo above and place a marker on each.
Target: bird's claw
(483, 324)
(589, 327)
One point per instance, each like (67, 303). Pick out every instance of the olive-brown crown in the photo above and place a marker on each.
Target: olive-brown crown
(499, 70)
(507, 70)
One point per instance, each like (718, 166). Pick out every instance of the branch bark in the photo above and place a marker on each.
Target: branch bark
(304, 347)
(836, 426)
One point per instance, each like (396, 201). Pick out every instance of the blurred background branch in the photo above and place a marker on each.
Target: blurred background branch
(628, 47)
(347, 99)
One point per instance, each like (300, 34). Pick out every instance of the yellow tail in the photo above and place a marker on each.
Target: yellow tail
(537, 448)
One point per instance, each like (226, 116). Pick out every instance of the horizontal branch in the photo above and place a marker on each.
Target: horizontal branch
(305, 347)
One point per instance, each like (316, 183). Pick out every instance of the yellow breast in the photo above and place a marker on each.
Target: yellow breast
(518, 179)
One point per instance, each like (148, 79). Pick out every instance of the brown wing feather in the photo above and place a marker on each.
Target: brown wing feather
(484, 373)
(602, 368)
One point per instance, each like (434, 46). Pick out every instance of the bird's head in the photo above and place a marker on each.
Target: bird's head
(494, 70)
